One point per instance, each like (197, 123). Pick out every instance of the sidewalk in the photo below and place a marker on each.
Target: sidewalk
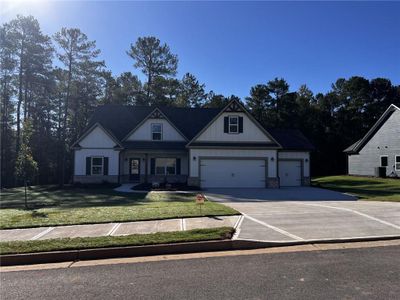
(116, 229)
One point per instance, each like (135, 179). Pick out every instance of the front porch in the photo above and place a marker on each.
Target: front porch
(155, 166)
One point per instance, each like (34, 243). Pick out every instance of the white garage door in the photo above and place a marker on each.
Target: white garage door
(233, 173)
(290, 173)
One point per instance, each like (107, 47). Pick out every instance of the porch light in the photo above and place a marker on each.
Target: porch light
(194, 157)
(272, 158)
(306, 160)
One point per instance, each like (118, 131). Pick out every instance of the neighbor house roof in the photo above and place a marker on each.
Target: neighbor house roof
(120, 120)
(357, 146)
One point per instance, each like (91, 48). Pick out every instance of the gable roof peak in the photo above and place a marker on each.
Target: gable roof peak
(357, 146)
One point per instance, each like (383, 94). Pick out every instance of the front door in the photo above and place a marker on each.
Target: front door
(134, 169)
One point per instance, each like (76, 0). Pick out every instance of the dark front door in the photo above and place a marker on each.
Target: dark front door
(134, 169)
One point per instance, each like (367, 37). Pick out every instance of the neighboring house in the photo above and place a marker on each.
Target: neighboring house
(380, 147)
(204, 147)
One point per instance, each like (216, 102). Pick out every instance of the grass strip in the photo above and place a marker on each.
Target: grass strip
(16, 218)
(18, 247)
(49, 206)
(366, 188)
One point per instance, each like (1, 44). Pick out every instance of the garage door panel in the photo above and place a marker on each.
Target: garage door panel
(290, 173)
(232, 173)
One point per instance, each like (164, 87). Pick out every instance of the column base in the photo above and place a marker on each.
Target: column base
(273, 182)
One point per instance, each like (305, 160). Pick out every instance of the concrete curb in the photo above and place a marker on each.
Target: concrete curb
(162, 249)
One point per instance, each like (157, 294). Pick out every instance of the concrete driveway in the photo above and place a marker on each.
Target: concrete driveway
(306, 213)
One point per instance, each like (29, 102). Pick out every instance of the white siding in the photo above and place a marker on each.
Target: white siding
(386, 141)
(203, 153)
(80, 160)
(143, 133)
(97, 138)
(298, 155)
(251, 133)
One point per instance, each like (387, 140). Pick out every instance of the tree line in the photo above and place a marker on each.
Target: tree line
(50, 86)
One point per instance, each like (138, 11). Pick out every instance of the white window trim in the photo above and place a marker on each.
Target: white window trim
(102, 165)
(380, 160)
(161, 132)
(165, 168)
(229, 125)
(395, 163)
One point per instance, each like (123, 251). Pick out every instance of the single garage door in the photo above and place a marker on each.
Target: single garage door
(290, 173)
(232, 173)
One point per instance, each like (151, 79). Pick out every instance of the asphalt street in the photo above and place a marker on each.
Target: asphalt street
(363, 273)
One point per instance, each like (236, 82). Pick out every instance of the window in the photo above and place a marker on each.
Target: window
(384, 161)
(165, 166)
(156, 132)
(97, 165)
(397, 163)
(233, 124)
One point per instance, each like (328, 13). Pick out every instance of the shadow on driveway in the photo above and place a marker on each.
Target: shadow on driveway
(281, 194)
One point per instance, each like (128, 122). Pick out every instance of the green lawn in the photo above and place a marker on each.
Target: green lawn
(366, 188)
(115, 241)
(50, 206)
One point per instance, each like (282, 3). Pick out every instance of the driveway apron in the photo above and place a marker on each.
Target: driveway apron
(302, 214)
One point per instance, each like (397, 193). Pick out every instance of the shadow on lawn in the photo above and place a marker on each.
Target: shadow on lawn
(364, 188)
(72, 197)
(343, 182)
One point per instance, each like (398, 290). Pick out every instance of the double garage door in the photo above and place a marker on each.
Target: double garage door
(246, 173)
(233, 173)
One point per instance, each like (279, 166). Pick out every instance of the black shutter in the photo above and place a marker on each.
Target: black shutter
(178, 166)
(152, 166)
(88, 165)
(105, 166)
(240, 124)
(226, 124)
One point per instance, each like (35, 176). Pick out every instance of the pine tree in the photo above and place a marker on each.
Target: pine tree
(154, 60)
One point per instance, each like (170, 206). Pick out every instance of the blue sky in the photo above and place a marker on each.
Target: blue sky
(231, 46)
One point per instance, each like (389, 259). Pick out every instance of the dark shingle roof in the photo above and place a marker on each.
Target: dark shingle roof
(119, 120)
(291, 139)
(352, 148)
(142, 145)
(234, 144)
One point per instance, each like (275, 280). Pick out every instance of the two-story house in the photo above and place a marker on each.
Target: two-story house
(202, 147)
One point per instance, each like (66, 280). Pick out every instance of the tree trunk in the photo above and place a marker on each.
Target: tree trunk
(26, 196)
(4, 133)
(65, 121)
(149, 78)
(18, 141)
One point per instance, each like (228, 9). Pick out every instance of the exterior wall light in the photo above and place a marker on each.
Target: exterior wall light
(272, 159)
(306, 160)
(194, 157)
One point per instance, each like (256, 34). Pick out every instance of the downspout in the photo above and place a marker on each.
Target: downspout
(146, 157)
(119, 167)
